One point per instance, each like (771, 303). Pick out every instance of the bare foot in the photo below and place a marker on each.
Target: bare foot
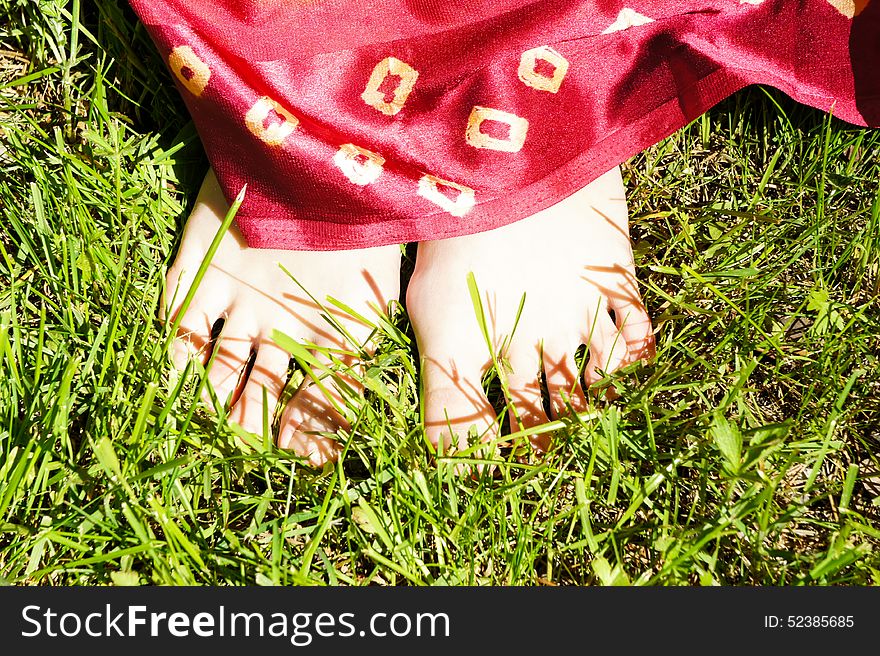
(574, 264)
(249, 290)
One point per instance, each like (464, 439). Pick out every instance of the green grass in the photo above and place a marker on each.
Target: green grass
(747, 454)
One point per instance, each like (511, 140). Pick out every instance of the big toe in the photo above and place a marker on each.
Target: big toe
(456, 410)
(317, 411)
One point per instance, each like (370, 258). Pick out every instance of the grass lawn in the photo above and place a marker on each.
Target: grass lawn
(748, 453)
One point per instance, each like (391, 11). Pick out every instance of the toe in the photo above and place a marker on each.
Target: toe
(608, 350)
(193, 340)
(563, 381)
(227, 368)
(318, 449)
(455, 406)
(634, 325)
(309, 420)
(194, 332)
(524, 391)
(315, 411)
(255, 408)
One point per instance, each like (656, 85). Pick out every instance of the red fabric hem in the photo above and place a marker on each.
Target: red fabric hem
(323, 233)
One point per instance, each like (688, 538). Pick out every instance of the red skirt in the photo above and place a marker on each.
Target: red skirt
(359, 123)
